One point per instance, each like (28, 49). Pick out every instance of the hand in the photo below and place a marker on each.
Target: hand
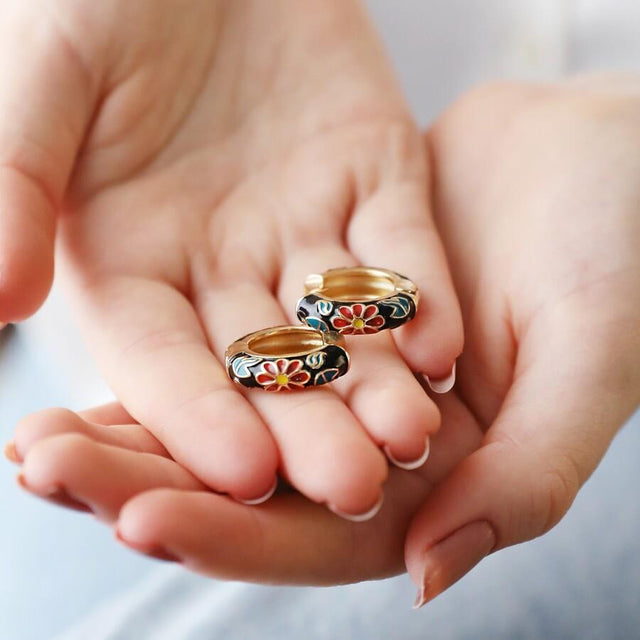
(537, 200)
(203, 162)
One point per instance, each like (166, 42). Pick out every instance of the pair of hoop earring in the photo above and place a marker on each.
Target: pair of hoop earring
(338, 302)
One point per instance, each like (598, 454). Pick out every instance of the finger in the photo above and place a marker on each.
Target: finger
(325, 452)
(394, 229)
(380, 389)
(156, 358)
(45, 105)
(566, 404)
(390, 402)
(288, 540)
(51, 422)
(100, 476)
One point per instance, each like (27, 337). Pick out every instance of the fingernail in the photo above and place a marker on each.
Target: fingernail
(263, 498)
(158, 552)
(2, 325)
(359, 517)
(442, 385)
(452, 558)
(409, 465)
(11, 453)
(58, 495)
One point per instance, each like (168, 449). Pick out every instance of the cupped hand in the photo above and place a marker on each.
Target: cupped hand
(196, 164)
(536, 197)
(537, 200)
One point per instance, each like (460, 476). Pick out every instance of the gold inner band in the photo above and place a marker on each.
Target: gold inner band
(286, 342)
(357, 286)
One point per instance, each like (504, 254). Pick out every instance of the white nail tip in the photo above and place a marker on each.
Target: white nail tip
(361, 517)
(261, 499)
(411, 464)
(442, 385)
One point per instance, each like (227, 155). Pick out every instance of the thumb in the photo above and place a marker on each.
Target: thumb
(44, 108)
(573, 389)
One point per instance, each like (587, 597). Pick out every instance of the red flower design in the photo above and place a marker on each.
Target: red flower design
(359, 318)
(283, 374)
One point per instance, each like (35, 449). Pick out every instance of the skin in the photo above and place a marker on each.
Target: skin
(193, 167)
(536, 197)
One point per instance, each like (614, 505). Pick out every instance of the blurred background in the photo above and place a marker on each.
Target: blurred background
(62, 576)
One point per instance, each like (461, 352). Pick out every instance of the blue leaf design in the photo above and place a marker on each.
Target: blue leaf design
(324, 307)
(326, 376)
(317, 323)
(240, 366)
(316, 360)
(400, 306)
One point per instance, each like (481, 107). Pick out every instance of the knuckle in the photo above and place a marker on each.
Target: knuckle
(548, 484)
(144, 516)
(40, 425)
(556, 491)
(48, 460)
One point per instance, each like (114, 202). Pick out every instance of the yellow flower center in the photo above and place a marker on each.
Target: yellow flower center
(358, 323)
(282, 379)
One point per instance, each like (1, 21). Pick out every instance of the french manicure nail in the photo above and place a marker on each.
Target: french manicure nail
(58, 495)
(158, 552)
(409, 465)
(263, 498)
(11, 453)
(442, 385)
(452, 558)
(359, 517)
